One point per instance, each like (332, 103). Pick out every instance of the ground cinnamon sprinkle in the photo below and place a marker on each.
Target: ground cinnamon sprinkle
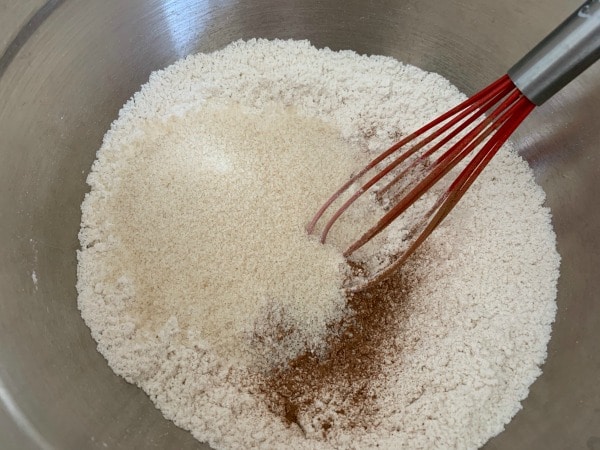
(339, 388)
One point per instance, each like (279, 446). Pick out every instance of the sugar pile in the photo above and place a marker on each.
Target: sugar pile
(209, 229)
(192, 236)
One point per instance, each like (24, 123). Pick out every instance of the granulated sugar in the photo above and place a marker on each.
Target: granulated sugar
(200, 286)
(210, 228)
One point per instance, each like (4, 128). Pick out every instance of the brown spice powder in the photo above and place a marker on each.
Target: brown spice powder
(339, 388)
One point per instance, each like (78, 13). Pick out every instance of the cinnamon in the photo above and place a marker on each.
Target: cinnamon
(339, 387)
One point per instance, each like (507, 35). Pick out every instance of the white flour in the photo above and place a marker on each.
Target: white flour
(192, 234)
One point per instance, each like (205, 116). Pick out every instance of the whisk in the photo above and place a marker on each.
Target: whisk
(479, 127)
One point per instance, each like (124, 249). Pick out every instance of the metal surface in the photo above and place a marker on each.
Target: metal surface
(63, 82)
(566, 52)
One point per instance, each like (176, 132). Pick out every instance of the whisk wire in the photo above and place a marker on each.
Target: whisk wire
(478, 130)
(442, 166)
(460, 122)
(470, 104)
(446, 202)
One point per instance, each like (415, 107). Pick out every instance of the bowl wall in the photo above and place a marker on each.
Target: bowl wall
(63, 79)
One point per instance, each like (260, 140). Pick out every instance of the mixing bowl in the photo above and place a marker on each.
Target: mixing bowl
(65, 74)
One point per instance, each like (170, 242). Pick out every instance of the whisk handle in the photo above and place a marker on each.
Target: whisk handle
(566, 52)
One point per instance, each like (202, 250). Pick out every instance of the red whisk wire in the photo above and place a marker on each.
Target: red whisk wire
(489, 133)
(471, 114)
(471, 103)
(459, 187)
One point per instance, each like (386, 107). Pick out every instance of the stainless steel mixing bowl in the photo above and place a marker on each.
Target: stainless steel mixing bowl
(63, 78)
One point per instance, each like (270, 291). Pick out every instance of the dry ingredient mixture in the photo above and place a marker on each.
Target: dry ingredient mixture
(200, 285)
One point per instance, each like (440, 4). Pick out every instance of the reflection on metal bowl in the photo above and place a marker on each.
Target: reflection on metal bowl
(64, 77)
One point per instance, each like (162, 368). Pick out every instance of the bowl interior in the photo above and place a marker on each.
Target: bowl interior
(65, 76)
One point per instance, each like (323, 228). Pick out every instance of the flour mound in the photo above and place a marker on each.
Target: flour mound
(193, 245)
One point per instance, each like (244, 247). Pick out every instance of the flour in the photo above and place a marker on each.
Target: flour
(192, 236)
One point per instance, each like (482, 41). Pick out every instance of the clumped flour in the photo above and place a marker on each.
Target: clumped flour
(200, 285)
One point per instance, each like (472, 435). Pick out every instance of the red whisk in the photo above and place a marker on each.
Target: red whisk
(479, 127)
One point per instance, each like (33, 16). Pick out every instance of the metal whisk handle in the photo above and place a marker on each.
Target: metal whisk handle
(566, 52)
